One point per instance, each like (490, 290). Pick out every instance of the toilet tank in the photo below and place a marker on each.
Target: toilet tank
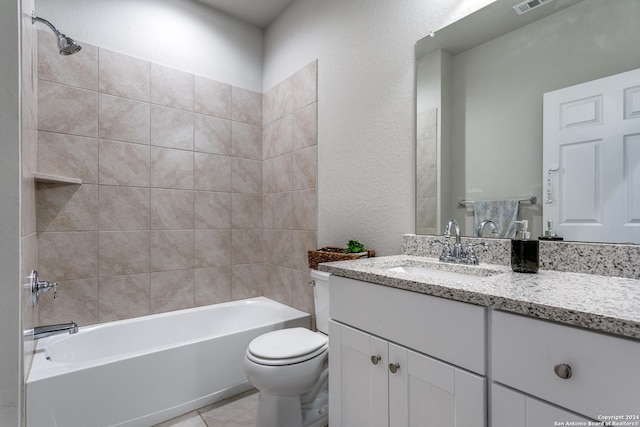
(321, 299)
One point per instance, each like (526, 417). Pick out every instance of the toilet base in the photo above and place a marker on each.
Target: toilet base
(278, 411)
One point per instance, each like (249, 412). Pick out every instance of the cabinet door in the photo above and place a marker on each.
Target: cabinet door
(425, 392)
(358, 384)
(512, 409)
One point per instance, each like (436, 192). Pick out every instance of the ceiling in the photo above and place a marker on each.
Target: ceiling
(257, 12)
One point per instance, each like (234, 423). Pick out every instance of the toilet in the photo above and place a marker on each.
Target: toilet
(290, 368)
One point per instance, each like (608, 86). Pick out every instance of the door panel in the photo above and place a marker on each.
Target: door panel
(591, 163)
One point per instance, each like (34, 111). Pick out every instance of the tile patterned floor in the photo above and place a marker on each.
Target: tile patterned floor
(237, 411)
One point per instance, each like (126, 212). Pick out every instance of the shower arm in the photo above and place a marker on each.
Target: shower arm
(35, 19)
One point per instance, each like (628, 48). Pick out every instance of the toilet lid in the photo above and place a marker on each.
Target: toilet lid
(287, 344)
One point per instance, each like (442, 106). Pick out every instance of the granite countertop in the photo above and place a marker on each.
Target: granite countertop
(601, 303)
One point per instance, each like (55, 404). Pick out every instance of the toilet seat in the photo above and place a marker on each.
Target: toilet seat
(286, 347)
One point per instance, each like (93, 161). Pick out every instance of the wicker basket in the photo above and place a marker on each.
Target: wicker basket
(333, 253)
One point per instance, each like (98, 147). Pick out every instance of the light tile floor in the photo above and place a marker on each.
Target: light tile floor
(237, 411)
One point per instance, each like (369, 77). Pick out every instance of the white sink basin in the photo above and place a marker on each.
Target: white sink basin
(444, 271)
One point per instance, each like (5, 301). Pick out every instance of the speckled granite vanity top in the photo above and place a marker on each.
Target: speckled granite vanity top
(600, 303)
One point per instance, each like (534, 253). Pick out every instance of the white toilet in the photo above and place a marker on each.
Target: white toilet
(290, 368)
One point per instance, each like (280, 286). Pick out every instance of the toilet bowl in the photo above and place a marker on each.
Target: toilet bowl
(289, 367)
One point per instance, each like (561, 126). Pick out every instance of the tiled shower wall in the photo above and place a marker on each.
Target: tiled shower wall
(290, 186)
(170, 211)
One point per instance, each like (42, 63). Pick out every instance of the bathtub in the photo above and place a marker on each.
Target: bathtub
(142, 371)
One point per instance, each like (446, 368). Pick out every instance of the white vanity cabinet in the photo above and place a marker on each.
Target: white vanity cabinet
(586, 372)
(510, 408)
(391, 358)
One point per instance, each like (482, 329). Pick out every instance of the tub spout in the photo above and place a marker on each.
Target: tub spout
(48, 330)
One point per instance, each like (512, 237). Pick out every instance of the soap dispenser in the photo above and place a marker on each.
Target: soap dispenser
(524, 252)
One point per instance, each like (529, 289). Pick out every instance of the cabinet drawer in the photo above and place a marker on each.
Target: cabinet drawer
(448, 330)
(605, 370)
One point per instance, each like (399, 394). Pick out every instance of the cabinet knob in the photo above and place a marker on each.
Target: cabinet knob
(375, 359)
(563, 371)
(393, 367)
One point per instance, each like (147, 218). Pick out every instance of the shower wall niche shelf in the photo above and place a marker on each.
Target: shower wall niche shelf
(57, 179)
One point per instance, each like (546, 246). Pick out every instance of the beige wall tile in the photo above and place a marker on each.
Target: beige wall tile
(301, 242)
(246, 106)
(212, 248)
(268, 100)
(124, 119)
(301, 292)
(305, 127)
(244, 283)
(123, 252)
(123, 163)
(172, 290)
(212, 285)
(212, 98)
(66, 109)
(282, 99)
(305, 210)
(68, 155)
(212, 135)
(171, 168)
(278, 137)
(246, 246)
(212, 209)
(278, 210)
(278, 247)
(304, 168)
(78, 70)
(124, 75)
(212, 172)
(171, 209)
(76, 300)
(246, 176)
(277, 174)
(171, 249)
(246, 141)
(171, 87)
(171, 127)
(67, 255)
(123, 297)
(246, 210)
(124, 208)
(278, 284)
(67, 207)
(305, 85)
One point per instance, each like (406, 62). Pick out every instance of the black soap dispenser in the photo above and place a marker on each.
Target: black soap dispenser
(524, 252)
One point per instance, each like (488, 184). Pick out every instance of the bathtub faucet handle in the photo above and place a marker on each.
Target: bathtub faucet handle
(40, 287)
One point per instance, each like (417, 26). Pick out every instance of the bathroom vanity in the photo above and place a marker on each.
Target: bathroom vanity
(415, 339)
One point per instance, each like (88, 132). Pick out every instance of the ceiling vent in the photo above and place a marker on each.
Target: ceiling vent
(527, 6)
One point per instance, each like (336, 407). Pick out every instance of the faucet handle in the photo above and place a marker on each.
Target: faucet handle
(446, 254)
(471, 253)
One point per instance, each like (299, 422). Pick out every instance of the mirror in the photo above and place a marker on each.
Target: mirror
(479, 95)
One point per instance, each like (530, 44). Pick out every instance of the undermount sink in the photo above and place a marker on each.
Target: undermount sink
(455, 272)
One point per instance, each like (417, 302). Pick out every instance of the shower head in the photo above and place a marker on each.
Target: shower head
(66, 45)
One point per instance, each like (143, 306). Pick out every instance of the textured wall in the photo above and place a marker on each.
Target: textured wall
(366, 106)
(185, 35)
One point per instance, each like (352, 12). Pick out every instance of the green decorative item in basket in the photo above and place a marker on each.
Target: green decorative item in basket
(354, 247)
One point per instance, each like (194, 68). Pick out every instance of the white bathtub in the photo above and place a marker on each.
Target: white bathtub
(142, 371)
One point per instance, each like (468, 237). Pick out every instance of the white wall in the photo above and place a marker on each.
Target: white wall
(182, 34)
(10, 230)
(366, 106)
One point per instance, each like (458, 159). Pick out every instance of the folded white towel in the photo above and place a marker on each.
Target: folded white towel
(503, 213)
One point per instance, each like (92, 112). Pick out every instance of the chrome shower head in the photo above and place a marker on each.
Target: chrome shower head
(66, 45)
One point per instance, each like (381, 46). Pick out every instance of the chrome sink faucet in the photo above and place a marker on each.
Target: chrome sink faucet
(49, 330)
(492, 225)
(458, 254)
